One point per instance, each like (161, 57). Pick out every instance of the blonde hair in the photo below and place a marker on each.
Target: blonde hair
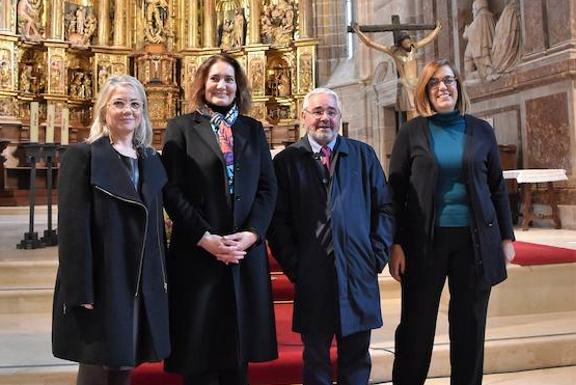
(421, 99)
(143, 133)
(243, 97)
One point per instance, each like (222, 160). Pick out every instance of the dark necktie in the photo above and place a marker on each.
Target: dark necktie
(326, 157)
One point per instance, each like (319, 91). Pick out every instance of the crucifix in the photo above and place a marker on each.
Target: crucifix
(403, 52)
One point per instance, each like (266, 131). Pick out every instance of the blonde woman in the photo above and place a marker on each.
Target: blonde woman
(110, 303)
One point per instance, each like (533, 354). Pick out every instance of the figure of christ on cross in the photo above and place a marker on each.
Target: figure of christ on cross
(403, 52)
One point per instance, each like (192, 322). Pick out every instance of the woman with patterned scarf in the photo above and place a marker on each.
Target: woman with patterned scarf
(220, 195)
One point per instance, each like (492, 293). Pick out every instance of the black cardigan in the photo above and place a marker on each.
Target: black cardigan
(413, 178)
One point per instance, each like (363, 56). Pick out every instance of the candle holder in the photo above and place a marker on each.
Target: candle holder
(50, 237)
(32, 151)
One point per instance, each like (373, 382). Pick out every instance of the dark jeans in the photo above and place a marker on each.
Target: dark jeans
(452, 257)
(354, 362)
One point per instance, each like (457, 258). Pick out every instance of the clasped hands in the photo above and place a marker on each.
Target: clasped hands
(229, 248)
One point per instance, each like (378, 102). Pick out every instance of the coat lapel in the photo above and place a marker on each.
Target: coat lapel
(109, 173)
(205, 132)
(152, 177)
(241, 133)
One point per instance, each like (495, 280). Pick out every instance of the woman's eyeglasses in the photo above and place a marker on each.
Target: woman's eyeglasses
(435, 82)
(120, 105)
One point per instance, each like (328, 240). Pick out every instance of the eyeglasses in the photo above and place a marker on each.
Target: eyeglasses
(435, 82)
(318, 114)
(120, 105)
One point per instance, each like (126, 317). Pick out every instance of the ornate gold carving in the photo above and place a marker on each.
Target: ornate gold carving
(80, 24)
(157, 21)
(305, 73)
(256, 72)
(9, 107)
(30, 19)
(5, 69)
(279, 22)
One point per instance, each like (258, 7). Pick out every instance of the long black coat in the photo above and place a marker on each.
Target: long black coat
(111, 246)
(197, 201)
(413, 178)
(358, 206)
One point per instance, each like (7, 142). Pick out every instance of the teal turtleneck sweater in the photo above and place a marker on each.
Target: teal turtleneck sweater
(447, 141)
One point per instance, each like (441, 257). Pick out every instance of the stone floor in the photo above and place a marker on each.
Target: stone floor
(537, 340)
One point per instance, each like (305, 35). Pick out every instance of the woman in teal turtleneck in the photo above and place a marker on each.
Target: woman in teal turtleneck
(453, 221)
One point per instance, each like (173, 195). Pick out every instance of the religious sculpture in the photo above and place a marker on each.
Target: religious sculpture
(5, 69)
(226, 31)
(25, 79)
(403, 52)
(278, 23)
(156, 17)
(480, 36)
(239, 28)
(29, 19)
(507, 39)
(81, 26)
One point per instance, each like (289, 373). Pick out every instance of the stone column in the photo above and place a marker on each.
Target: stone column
(209, 24)
(8, 15)
(119, 23)
(255, 15)
(305, 16)
(103, 22)
(56, 22)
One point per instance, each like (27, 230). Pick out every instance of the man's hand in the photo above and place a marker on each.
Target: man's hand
(397, 264)
(509, 251)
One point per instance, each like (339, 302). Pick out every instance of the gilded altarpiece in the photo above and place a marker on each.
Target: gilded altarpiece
(59, 53)
(56, 55)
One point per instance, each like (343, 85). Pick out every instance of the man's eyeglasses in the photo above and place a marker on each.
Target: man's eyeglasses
(435, 82)
(120, 105)
(318, 114)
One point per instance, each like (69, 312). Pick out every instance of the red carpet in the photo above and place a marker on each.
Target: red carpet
(529, 254)
(285, 370)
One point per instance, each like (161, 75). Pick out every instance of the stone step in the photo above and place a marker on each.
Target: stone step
(22, 301)
(513, 343)
(28, 274)
(532, 289)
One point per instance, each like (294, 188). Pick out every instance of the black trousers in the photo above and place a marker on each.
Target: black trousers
(238, 376)
(354, 362)
(101, 375)
(452, 257)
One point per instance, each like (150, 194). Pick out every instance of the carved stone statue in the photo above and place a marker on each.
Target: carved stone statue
(239, 28)
(25, 77)
(5, 69)
(156, 14)
(403, 52)
(29, 19)
(278, 23)
(507, 38)
(226, 34)
(480, 35)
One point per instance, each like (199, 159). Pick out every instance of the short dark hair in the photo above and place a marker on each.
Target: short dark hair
(243, 95)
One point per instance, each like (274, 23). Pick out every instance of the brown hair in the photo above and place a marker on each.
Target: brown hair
(243, 96)
(421, 99)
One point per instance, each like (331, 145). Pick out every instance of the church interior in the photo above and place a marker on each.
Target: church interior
(517, 59)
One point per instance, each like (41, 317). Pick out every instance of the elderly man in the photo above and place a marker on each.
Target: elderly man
(331, 233)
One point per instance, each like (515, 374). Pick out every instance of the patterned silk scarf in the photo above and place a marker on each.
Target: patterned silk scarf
(222, 127)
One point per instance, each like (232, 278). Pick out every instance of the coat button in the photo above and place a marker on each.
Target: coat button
(237, 198)
(490, 224)
(237, 168)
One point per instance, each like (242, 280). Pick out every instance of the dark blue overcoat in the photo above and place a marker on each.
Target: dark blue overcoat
(356, 203)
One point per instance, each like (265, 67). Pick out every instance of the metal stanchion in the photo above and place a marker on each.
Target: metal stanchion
(50, 237)
(31, 241)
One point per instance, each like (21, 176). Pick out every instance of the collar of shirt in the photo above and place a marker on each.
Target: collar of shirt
(316, 147)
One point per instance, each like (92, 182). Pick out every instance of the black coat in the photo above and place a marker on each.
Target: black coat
(111, 246)
(358, 205)
(413, 178)
(220, 314)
